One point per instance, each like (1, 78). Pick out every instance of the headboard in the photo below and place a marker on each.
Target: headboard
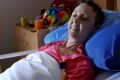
(109, 4)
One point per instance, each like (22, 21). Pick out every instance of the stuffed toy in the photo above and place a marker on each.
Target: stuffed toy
(55, 17)
(59, 12)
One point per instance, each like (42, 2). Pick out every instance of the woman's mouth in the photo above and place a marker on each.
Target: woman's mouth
(74, 27)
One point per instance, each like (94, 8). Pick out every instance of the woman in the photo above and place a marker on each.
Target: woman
(63, 58)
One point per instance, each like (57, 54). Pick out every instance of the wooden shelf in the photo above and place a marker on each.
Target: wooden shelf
(28, 39)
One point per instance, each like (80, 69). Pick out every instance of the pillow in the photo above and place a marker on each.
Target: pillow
(57, 35)
(104, 46)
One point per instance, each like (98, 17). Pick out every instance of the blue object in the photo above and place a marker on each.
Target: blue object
(57, 35)
(104, 46)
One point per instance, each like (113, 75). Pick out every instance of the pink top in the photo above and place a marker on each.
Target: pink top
(79, 66)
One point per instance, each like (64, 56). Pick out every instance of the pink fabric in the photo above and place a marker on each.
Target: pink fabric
(79, 66)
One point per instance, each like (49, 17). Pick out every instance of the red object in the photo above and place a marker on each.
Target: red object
(79, 66)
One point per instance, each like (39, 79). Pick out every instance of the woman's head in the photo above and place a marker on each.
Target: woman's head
(84, 19)
(99, 13)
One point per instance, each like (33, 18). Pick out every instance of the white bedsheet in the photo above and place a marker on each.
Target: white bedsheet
(36, 66)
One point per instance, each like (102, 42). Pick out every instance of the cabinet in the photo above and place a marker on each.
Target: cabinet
(28, 38)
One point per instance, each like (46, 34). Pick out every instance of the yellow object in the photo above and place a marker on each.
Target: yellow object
(24, 21)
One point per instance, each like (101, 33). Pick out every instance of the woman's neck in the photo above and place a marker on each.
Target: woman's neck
(72, 44)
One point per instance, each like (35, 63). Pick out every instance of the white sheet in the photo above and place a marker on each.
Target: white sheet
(114, 77)
(36, 66)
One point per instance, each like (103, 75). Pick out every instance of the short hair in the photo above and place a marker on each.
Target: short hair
(99, 13)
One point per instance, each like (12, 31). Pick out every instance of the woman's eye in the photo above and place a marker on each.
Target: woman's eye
(74, 16)
(85, 17)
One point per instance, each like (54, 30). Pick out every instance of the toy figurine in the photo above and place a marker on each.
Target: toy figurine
(58, 13)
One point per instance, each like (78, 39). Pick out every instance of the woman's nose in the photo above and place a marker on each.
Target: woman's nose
(77, 20)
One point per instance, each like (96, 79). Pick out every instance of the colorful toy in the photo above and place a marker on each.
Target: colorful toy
(55, 17)
(59, 12)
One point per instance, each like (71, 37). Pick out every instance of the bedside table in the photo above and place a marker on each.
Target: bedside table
(28, 38)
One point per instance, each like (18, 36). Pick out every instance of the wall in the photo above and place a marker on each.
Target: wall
(10, 13)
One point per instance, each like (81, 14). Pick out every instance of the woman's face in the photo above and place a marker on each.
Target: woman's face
(82, 21)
